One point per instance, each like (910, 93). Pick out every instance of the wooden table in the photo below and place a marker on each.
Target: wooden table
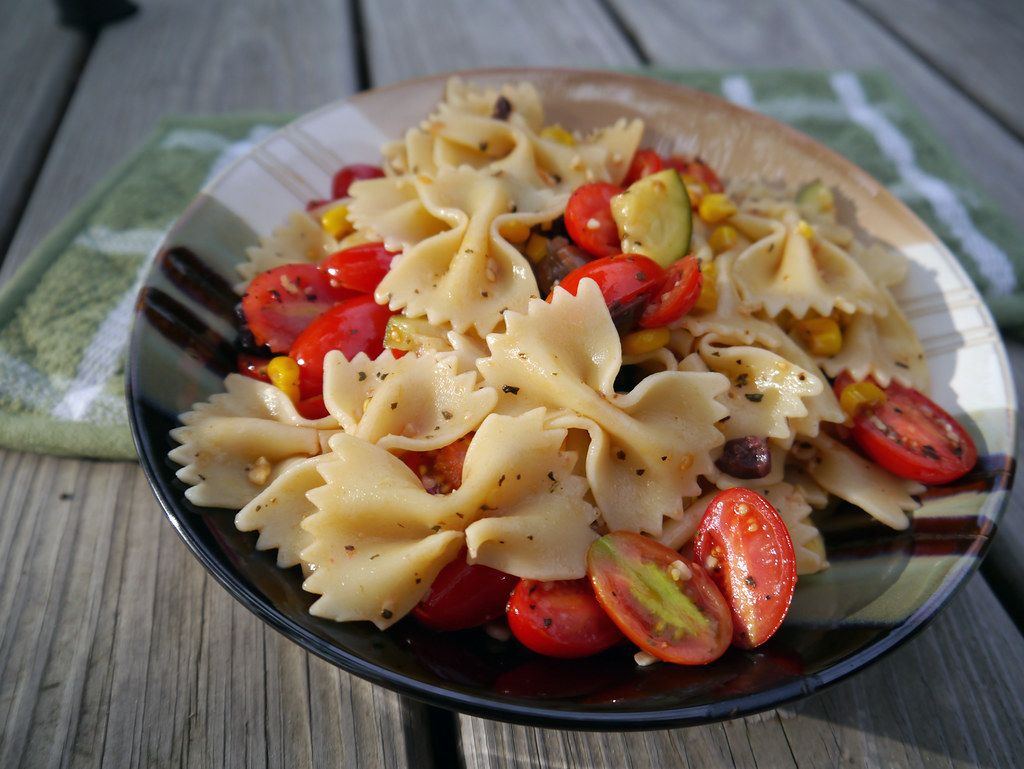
(116, 649)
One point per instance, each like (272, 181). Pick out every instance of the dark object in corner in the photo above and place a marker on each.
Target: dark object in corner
(90, 15)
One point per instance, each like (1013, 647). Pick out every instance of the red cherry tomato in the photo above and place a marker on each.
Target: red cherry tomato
(353, 173)
(678, 294)
(588, 219)
(911, 436)
(464, 595)
(627, 283)
(746, 548)
(312, 408)
(253, 366)
(360, 268)
(440, 470)
(281, 302)
(645, 163)
(560, 619)
(354, 326)
(698, 169)
(685, 620)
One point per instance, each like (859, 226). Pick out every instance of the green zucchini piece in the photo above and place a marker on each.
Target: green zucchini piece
(816, 197)
(654, 217)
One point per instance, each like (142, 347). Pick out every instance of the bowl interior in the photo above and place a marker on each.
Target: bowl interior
(882, 584)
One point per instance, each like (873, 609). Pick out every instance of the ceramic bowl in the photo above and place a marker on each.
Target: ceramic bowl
(882, 586)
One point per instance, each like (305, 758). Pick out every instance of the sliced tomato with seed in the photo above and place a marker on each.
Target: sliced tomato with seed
(696, 168)
(353, 173)
(353, 326)
(746, 548)
(440, 470)
(588, 219)
(677, 294)
(912, 436)
(665, 604)
(645, 163)
(560, 619)
(360, 268)
(465, 595)
(627, 283)
(280, 303)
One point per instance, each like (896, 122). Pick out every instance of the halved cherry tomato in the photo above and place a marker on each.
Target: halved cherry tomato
(281, 302)
(912, 436)
(588, 219)
(360, 268)
(627, 283)
(440, 470)
(354, 326)
(678, 294)
(560, 619)
(696, 168)
(682, 619)
(353, 173)
(745, 546)
(465, 595)
(645, 163)
(253, 366)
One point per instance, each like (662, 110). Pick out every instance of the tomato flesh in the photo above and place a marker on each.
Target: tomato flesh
(588, 219)
(746, 548)
(465, 595)
(440, 470)
(677, 296)
(360, 268)
(698, 169)
(560, 619)
(912, 436)
(356, 172)
(353, 326)
(684, 620)
(626, 283)
(645, 163)
(280, 303)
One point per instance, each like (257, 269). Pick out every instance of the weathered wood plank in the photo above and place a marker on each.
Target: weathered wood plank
(963, 41)
(949, 698)
(38, 64)
(461, 34)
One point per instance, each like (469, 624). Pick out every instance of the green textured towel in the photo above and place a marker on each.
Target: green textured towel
(62, 340)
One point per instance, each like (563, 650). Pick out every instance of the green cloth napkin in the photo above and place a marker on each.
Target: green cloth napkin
(65, 315)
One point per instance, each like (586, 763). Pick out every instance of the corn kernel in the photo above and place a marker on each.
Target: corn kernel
(335, 221)
(558, 134)
(408, 334)
(708, 299)
(645, 341)
(284, 375)
(723, 238)
(515, 232)
(536, 248)
(805, 229)
(716, 207)
(821, 336)
(857, 395)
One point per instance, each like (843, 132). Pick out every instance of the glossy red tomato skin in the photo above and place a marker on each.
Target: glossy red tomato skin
(253, 366)
(746, 548)
(623, 279)
(353, 173)
(677, 295)
(615, 563)
(591, 203)
(440, 469)
(645, 163)
(696, 168)
(359, 268)
(560, 619)
(465, 595)
(312, 408)
(912, 436)
(280, 303)
(353, 326)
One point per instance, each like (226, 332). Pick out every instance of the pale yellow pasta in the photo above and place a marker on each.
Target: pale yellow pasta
(300, 239)
(795, 513)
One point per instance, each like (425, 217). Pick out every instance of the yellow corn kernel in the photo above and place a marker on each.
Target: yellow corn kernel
(723, 238)
(536, 248)
(284, 375)
(716, 207)
(805, 229)
(335, 221)
(857, 395)
(645, 341)
(821, 336)
(515, 232)
(708, 299)
(558, 134)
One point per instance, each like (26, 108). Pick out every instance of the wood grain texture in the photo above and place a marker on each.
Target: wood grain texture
(34, 92)
(968, 43)
(949, 698)
(461, 34)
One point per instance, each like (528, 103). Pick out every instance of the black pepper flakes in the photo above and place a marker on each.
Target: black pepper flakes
(446, 414)
(350, 548)
(386, 613)
(547, 622)
(502, 108)
(551, 476)
(754, 397)
(510, 389)
(640, 471)
(362, 376)
(394, 405)
(620, 454)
